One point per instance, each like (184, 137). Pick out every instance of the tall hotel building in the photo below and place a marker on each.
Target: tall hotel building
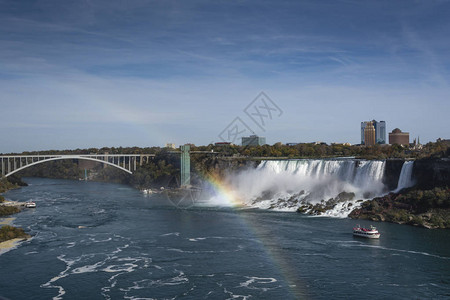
(380, 132)
(369, 134)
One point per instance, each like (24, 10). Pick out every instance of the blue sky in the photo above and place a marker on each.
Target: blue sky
(78, 74)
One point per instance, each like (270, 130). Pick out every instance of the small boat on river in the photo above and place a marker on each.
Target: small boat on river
(370, 233)
(30, 204)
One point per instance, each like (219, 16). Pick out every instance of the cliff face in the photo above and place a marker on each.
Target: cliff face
(427, 173)
(392, 173)
(430, 173)
(221, 166)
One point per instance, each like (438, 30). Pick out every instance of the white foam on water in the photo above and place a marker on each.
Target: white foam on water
(128, 267)
(257, 280)
(171, 233)
(197, 239)
(404, 251)
(49, 284)
(100, 241)
(88, 268)
(235, 296)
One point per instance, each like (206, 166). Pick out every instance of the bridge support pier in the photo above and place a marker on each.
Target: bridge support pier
(185, 179)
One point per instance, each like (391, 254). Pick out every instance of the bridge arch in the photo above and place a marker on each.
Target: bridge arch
(68, 157)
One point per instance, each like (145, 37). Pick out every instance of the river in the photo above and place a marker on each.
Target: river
(107, 241)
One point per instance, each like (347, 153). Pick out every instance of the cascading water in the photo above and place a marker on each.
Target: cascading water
(405, 180)
(286, 184)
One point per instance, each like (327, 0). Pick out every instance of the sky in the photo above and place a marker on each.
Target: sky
(82, 74)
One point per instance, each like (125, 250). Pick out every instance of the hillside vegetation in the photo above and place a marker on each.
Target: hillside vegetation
(427, 208)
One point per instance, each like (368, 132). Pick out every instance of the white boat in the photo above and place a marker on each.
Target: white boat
(147, 191)
(30, 204)
(370, 233)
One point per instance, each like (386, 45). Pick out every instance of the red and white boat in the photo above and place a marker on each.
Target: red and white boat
(370, 233)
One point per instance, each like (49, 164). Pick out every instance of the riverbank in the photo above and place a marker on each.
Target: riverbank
(10, 244)
(6, 221)
(10, 236)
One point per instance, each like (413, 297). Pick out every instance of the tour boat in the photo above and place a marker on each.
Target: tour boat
(30, 204)
(147, 191)
(371, 233)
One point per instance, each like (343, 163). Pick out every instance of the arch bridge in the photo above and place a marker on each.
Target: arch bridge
(11, 164)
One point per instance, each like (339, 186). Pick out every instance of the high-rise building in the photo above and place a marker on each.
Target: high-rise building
(380, 132)
(363, 125)
(399, 137)
(253, 140)
(369, 134)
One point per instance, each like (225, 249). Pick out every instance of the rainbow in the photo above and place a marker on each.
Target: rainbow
(227, 195)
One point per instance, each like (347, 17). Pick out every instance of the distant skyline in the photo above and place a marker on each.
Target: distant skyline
(81, 74)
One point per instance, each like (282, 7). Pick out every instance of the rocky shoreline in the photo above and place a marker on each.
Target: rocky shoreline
(10, 236)
(344, 200)
(423, 208)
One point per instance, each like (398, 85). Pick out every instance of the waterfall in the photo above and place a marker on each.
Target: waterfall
(285, 184)
(405, 179)
(362, 175)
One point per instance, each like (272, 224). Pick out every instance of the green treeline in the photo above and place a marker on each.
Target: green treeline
(427, 208)
(9, 232)
(312, 150)
(304, 150)
(12, 182)
(6, 185)
(162, 170)
(8, 210)
(159, 172)
(64, 169)
(423, 200)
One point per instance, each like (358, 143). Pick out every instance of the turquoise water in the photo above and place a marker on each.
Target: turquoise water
(108, 241)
